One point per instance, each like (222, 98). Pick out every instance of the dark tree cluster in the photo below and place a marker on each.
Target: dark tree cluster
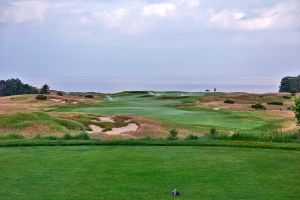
(45, 89)
(15, 87)
(290, 84)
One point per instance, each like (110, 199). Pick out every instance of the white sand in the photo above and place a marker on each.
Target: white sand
(106, 119)
(95, 129)
(128, 128)
(56, 100)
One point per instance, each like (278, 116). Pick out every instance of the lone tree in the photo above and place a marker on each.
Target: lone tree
(296, 110)
(45, 89)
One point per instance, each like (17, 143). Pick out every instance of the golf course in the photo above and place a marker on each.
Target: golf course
(149, 100)
(144, 144)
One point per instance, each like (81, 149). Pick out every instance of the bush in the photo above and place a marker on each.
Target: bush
(293, 92)
(67, 137)
(279, 103)
(296, 110)
(235, 135)
(229, 101)
(192, 137)
(89, 96)
(172, 134)
(258, 106)
(287, 97)
(60, 93)
(81, 136)
(213, 131)
(107, 129)
(41, 97)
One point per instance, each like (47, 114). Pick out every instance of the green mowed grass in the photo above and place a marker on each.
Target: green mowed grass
(140, 172)
(167, 108)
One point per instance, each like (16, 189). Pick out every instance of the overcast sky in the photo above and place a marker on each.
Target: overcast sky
(73, 44)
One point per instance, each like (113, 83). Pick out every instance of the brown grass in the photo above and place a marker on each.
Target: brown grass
(21, 103)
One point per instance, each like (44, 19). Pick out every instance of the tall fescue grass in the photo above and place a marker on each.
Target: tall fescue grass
(23, 120)
(262, 136)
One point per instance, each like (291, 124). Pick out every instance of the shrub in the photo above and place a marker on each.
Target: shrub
(213, 131)
(258, 106)
(41, 97)
(60, 93)
(229, 101)
(172, 134)
(81, 136)
(107, 129)
(89, 96)
(293, 92)
(67, 137)
(235, 135)
(192, 137)
(279, 103)
(287, 97)
(49, 137)
(296, 110)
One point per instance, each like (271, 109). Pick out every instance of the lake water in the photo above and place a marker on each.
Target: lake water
(183, 83)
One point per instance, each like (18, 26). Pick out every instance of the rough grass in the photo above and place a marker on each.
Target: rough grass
(55, 141)
(35, 123)
(140, 172)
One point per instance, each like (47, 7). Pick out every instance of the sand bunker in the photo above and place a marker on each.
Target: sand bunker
(130, 127)
(115, 131)
(106, 119)
(56, 100)
(95, 129)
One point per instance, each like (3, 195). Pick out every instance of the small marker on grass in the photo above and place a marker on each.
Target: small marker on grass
(175, 193)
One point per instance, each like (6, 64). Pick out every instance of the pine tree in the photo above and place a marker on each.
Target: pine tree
(45, 89)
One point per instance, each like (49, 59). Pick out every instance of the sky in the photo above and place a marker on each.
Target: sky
(114, 45)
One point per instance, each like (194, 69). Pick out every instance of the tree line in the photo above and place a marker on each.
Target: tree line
(290, 84)
(15, 87)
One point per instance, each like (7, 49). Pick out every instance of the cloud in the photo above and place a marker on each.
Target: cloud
(277, 17)
(137, 17)
(159, 9)
(190, 3)
(112, 18)
(24, 11)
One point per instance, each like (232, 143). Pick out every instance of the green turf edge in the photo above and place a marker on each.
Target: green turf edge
(140, 142)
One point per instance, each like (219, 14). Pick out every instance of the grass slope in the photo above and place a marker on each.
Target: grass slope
(124, 172)
(30, 122)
